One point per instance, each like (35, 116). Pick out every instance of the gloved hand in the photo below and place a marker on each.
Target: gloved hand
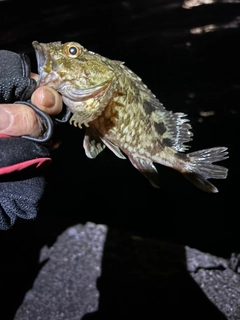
(22, 159)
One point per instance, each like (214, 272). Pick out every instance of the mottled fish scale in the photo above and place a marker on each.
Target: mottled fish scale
(126, 127)
(170, 128)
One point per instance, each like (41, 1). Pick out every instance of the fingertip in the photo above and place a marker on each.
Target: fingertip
(47, 99)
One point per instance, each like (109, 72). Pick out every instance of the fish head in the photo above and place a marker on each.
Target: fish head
(72, 70)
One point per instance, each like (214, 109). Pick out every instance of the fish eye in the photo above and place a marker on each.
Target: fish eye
(73, 50)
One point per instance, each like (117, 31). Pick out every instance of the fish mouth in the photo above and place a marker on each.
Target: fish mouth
(44, 62)
(40, 54)
(41, 58)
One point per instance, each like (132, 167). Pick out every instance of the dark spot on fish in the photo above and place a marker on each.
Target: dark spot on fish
(147, 106)
(167, 142)
(160, 127)
(181, 156)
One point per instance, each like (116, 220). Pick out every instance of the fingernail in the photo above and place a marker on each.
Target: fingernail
(48, 98)
(5, 119)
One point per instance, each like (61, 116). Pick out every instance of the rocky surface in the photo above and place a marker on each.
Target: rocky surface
(94, 272)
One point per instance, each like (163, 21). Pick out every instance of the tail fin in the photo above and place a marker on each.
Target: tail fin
(201, 167)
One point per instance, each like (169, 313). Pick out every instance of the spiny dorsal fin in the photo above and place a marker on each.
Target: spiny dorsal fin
(173, 128)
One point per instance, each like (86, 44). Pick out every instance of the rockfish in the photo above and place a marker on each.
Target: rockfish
(120, 112)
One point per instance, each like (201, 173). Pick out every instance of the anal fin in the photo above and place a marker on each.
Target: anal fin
(113, 148)
(147, 169)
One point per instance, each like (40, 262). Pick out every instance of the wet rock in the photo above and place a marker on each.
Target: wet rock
(92, 271)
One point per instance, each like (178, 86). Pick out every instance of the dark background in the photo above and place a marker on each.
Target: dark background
(189, 58)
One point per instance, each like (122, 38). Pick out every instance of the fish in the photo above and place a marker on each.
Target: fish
(119, 111)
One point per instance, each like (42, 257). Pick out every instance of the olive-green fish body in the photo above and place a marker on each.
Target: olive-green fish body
(120, 112)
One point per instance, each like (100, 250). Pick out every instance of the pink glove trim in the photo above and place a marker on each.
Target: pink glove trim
(34, 163)
(4, 136)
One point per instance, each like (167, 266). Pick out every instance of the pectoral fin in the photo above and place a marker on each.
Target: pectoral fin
(92, 143)
(147, 169)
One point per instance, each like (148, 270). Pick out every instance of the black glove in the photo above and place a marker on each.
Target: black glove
(22, 159)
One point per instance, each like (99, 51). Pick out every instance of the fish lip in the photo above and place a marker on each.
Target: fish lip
(41, 58)
(84, 94)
